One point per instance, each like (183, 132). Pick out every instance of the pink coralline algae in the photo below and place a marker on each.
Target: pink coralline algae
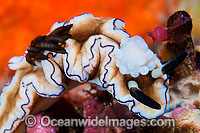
(38, 128)
(92, 108)
(98, 108)
(187, 117)
(181, 111)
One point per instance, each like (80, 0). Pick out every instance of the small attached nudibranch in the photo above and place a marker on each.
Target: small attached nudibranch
(86, 49)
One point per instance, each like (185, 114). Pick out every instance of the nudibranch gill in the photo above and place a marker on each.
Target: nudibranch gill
(86, 49)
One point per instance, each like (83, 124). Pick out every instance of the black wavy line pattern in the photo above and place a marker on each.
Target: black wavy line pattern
(37, 93)
(114, 26)
(54, 80)
(70, 75)
(22, 110)
(45, 95)
(91, 53)
(164, 83)
(113, 85)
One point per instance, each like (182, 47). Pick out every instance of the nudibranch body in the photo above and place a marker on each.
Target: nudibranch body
(98, 51)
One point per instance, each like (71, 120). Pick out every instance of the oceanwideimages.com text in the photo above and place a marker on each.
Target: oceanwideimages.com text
(46, 121)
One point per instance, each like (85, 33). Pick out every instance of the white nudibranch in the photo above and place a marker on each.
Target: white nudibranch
(91, 52)
(134, 57)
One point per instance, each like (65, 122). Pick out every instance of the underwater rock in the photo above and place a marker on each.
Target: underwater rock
(185, 91)
(187, 118)
(179, 28)
(176, 40)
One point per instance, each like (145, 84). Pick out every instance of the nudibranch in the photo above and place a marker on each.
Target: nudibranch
(92, 49)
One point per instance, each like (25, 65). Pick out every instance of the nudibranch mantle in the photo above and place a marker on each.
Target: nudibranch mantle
(99, 51)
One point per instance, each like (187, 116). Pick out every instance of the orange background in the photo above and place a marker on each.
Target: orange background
(23, 20)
